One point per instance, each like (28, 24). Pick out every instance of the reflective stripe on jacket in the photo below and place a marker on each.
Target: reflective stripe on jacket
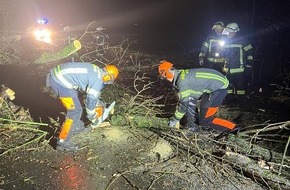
(239, 54)
(210, 47)
(195, 82)
(85, 77)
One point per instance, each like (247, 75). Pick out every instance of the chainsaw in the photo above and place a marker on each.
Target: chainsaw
(107, 111)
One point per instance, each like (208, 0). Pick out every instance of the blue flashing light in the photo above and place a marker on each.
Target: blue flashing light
(42, 21)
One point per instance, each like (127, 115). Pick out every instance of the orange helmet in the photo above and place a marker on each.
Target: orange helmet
(112, 73)
(164, 68)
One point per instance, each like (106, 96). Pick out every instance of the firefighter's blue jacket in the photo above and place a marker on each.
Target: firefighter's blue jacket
(192, 83)
(85, 77)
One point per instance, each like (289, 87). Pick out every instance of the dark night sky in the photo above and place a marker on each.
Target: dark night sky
(157, 24)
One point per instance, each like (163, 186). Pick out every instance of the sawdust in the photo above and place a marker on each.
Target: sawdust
(114, 134)
(162, 148)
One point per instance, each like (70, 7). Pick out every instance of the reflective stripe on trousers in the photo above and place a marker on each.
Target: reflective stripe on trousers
(65, 129)
(70, 101)
(208, 109)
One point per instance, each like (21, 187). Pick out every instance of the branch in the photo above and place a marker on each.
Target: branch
(24, 122)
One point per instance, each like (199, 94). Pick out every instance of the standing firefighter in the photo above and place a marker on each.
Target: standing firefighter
(192, 84)
(211, 52)
(69, 78)
(239, 55)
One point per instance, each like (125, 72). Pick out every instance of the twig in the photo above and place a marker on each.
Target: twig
(24, 122)
(284, 154)
(155, 181)
(18, 147)
(133, 185)
(269, 127)
(116, 177)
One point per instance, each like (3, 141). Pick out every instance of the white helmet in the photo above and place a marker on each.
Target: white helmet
(218, 24)
(233, 27)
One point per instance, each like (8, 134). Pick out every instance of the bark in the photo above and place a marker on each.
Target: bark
(250, 159)
(261, 174)
(246, 147)
(63, 53)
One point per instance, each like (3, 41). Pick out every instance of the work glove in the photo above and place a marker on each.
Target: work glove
(201, 61)
(174, 123)
(99, 111)
(97, 118)
(93, 117)
(98, 115)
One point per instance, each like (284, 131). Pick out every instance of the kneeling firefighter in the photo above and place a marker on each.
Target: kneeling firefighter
(192, 84)
(66, 80)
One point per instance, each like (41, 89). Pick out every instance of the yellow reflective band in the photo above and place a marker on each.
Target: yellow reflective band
(241, 92)
(211, 41)
(178, 115)
(183, 73)
(238, 70)
(248, 47)
(213, 77)
(216, 60)
(206, 91)
(235, 45)
(56, 70)
(58, 74)
(240, 46)
(250, 57)
(201, 55)
(67, 102)
(187, 93)
(241, 58)
(97, 69)
(230, 91)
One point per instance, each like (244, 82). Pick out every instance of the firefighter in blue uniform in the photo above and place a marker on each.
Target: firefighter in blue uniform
(66, 80)
(192, 84)
(238, 53)
(211, 52)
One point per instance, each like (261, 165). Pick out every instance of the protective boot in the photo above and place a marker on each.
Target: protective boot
(66, 146)
(235, 130)
(81, 128)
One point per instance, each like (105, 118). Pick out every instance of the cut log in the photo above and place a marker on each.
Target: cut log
(63, 53)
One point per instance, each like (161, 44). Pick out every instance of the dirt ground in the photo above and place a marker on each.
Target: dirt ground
(115, 157)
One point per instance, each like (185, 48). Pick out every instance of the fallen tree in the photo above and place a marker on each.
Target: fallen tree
(17, 128)
(235, 150)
